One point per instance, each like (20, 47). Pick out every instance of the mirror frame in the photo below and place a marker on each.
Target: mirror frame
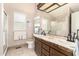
(78, 34)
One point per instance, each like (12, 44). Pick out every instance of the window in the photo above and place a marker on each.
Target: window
(19, 21)
(19, 26)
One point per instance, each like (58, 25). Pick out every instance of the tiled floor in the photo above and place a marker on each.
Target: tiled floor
(23, 51)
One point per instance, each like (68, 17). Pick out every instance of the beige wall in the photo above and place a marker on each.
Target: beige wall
(75, 21)
(10, 9)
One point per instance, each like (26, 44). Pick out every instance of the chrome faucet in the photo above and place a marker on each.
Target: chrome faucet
(49, 31)
(43, 33)
(71, 38)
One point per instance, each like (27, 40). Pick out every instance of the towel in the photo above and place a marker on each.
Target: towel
(19, 35)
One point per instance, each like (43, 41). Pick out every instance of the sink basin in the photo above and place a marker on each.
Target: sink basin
(65, 42)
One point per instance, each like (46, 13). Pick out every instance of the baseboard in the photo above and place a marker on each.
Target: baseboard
(4, 54)
(17, 45)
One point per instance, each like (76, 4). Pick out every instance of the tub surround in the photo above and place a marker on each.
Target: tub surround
(60, 42)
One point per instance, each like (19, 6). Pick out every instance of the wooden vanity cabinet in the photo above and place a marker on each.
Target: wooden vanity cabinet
(45, 48)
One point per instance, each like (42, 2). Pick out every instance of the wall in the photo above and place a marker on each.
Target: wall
(28, 10)
(75, 21)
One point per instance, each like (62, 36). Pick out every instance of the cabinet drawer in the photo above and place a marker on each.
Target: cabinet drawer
(45, 42)
(45, 52)
(65, 51)
(54, 46)
(46, 47)
(54, 52)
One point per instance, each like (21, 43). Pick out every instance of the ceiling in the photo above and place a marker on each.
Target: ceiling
(24, 7)
(31, 7)
(64, 9)
(74, 7)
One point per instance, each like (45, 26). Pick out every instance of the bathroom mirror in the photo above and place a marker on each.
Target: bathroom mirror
(36, 24)
(53, 23)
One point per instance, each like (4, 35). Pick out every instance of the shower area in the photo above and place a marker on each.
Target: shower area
(5, 32)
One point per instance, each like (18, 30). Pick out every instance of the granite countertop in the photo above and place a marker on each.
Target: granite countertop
(59, 40)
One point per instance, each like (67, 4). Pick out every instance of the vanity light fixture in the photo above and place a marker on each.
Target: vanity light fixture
(48, 7)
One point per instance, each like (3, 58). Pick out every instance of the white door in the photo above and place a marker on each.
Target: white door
(75, 26)
(75, 21)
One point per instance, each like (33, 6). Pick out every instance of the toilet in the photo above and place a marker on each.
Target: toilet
(30, 43)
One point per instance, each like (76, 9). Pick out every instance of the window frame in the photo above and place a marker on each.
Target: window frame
(18, 21)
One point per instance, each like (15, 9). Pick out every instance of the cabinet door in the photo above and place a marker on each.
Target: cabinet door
(37, 47)
(44, 52)
(46, 47)
(54, 52)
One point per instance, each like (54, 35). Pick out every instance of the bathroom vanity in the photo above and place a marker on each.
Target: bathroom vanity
(53, 46)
